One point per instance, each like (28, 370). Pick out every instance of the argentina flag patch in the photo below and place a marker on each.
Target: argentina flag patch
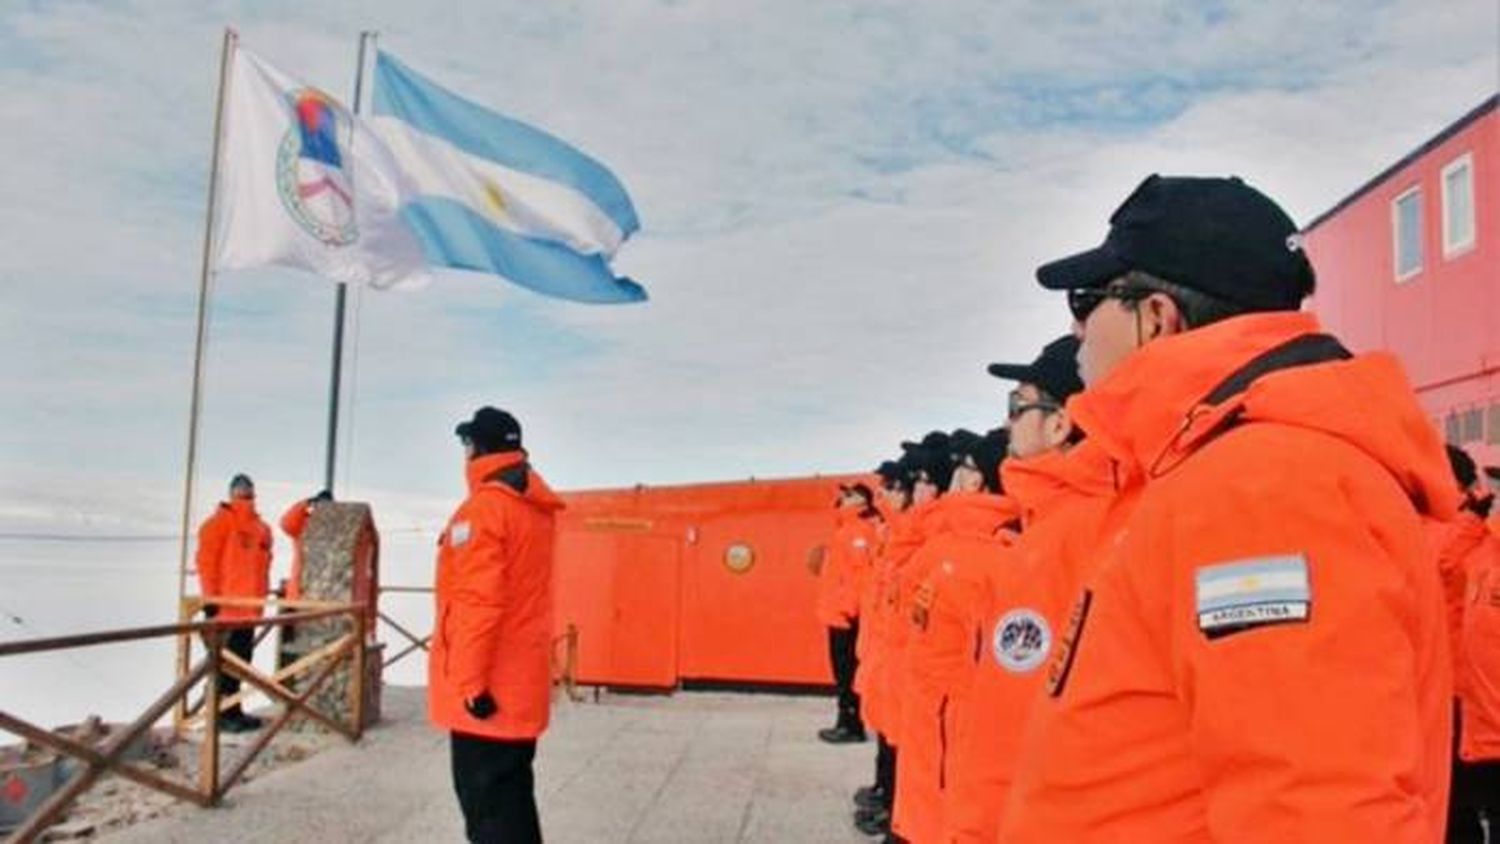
(1250, 593)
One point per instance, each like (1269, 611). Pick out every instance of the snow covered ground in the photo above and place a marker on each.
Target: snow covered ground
(65, 585)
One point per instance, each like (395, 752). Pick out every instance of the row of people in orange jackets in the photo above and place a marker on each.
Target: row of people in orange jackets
(1207, 605)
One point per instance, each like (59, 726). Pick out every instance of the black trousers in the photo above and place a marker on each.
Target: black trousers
(241, 643)
(885, 769)
(841, 644)
(495, 788)
(1476, 791)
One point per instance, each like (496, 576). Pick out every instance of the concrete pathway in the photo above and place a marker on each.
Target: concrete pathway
(693, 767)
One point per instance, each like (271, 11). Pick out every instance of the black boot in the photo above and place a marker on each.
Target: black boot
(841, 735)
(875, 821)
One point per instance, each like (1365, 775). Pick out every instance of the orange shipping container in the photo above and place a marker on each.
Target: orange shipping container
(705, 582)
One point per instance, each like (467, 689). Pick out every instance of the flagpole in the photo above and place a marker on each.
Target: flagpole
(341, 295)
(231, 39)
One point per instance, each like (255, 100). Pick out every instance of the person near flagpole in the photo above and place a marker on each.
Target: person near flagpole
(234, 561)
(489, 672)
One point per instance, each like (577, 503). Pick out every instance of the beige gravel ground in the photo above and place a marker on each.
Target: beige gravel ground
(694, 767)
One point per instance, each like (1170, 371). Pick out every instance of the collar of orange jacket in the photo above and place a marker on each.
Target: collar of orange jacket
(1148, 413)
(972, 513)
(1040, 484)
(243, 509)
(481, 470)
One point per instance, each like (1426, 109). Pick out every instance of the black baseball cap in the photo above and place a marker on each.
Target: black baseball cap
(1055, 371)
(962, 441)
(933, 441)
(1215, 235)
(988, 450)
(491, 430)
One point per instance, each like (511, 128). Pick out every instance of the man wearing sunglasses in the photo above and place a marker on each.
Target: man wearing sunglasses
(1262, 656)
(1063, 490)
(971, 526)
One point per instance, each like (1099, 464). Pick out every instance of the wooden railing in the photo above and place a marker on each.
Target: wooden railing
(564, 667)
(212, 781)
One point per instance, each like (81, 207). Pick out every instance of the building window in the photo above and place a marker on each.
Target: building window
(1473, 425)
(1492, 436)
(1458, 206)
(1406, 219)
(1451, 432)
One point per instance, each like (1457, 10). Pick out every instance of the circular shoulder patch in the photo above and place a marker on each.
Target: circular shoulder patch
(1021, 641)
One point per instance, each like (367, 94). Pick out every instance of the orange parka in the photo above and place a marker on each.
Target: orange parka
(1262, 657)
(1472, 558)
(494, 603)
(846, 567)
(1066, 500)
(970, 532)
(234, 556)
(896, 586)
(293, 523)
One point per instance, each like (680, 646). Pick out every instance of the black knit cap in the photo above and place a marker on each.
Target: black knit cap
(1054, 372)
(1215, 235)
(491, 430)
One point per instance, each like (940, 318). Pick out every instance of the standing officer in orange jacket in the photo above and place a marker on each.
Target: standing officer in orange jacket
(489, 674)
(1470, 563)
(293, 524)
(951, 569)
(1262, 657)
(234, 561)
(1063, 489)
(845, 568)
(875, 799)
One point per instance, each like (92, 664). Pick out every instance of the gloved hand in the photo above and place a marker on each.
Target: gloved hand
(210, 610)
(481, 706)
(1479, 506)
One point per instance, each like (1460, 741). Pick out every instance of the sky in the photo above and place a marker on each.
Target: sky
(842, 207)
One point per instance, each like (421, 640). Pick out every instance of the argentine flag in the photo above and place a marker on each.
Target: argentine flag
(495, 195)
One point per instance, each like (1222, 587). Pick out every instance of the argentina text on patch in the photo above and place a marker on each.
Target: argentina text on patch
(1245, 594)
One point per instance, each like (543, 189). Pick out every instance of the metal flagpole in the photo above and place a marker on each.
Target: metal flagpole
(341, 296)
(231, 39)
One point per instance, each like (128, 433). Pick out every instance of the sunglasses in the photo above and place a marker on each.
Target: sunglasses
(1017, 405)
(1082, 301)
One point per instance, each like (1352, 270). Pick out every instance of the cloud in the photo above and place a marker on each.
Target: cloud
(842, 203)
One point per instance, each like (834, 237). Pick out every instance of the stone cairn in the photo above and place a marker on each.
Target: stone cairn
(340, 562)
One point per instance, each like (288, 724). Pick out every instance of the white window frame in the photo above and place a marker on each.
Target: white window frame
(1451, 249)
(1396, 234)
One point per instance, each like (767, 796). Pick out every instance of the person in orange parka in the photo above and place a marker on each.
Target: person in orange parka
(840, 580)
(1063, 489)
(971, 526)
(875, 799)
(293, 523)
(926, 470)
(1262, 656)
(489, 673)
(234, 561)
(1469, 560)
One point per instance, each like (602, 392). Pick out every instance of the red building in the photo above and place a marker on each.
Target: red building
(1410, 262)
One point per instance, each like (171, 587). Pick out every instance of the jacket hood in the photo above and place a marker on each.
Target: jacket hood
(483, 472)
(1042, 483)
(1150, 413)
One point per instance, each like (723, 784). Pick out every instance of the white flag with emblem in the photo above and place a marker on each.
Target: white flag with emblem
(304, 183)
